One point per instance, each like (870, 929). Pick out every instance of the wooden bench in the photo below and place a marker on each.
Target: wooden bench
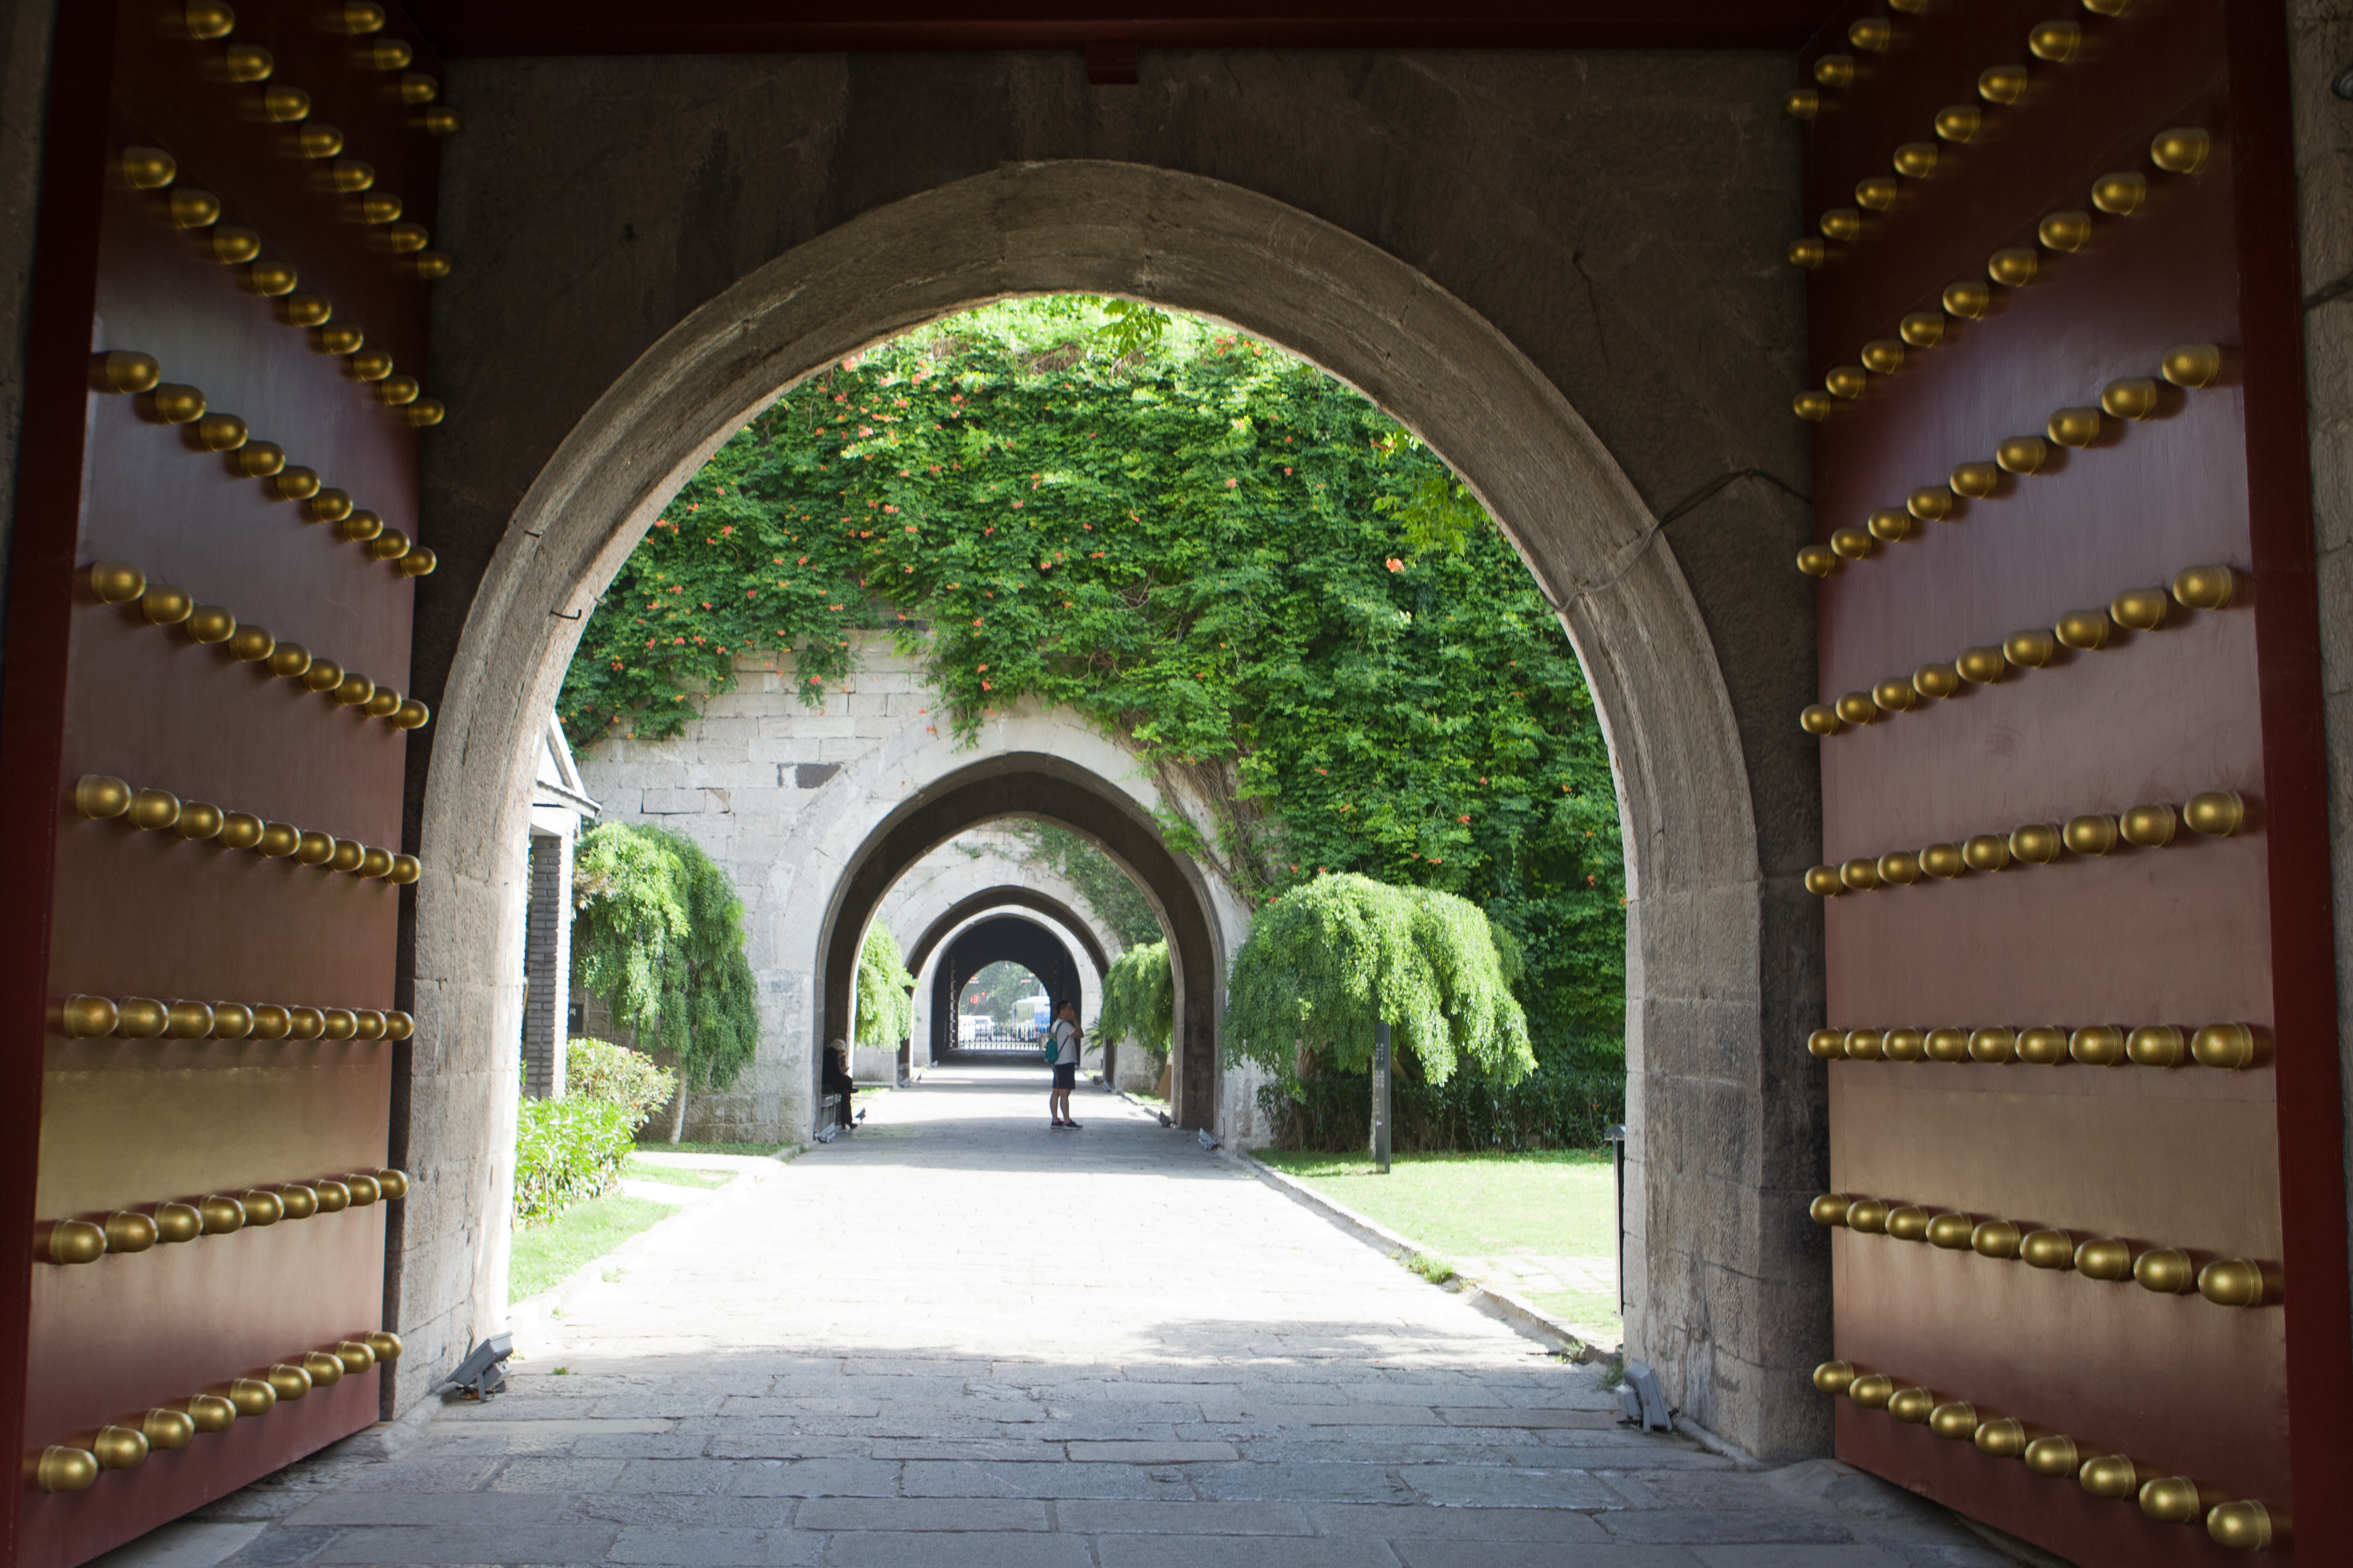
(829, 1123)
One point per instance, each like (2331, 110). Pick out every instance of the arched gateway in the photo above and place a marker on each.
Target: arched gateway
(1006, 939)
(1728, 1299)
(1046, 789)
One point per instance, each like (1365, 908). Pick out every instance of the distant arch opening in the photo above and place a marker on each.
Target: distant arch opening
(1058, 922)
(1005, 945)
(1044, 789)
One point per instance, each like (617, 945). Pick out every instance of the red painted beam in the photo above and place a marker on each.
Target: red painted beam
(461, 27)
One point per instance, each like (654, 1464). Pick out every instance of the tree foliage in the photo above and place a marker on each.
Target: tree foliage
(1285, 605)
(1326, 961)
(886, 1000)
(658, 931)
(995, 989)
(1139, 999)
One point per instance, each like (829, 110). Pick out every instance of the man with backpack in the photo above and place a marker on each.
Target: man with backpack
(1062, 1047)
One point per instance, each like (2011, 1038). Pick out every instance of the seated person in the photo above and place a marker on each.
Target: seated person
(836, 1081)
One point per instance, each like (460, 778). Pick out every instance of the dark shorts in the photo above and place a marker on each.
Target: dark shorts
(1066, 1075)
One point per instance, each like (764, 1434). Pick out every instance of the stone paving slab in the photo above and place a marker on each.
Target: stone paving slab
(957, 1338)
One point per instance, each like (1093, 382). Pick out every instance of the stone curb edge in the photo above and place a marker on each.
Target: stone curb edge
(1501, 1305)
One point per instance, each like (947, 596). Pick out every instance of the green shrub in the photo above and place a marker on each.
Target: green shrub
(567, 1151)
(599, 1070)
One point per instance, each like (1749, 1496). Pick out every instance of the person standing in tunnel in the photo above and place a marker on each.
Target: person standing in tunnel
(1068, 1042)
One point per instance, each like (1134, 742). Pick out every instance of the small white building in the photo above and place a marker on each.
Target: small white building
(559, 806)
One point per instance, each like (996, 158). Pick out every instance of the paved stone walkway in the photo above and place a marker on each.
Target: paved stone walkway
(958, 1338)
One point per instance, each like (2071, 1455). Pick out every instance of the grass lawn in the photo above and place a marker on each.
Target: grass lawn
(676, 1175)
(1557, 1204)
(544, 1254)
(656, 1146)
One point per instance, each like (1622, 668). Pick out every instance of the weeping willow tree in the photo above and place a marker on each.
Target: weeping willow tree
(886, 1002)
(658, 932)
(1140, 1001)
(1328, 959)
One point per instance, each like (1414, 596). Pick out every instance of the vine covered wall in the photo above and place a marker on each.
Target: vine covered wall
(1283, 604)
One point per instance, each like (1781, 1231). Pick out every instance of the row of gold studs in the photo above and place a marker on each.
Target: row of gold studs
(350, 180)
(2012, 266)
(1957, 123)
(210, 21)
(83, 1017)
(152, 169)
(75, 1464)
(2164, 1271)
(2056, 42)
(2231, 1046)
(2244, 1525)
(250, 64)
(102, 798)
(125, 372)
(119, 582)
(2135, 609)
(129, 1230)
(2136, 398)
(2216, 814)
(120, 371)
(2179, 150)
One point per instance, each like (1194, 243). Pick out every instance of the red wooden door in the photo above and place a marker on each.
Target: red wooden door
(208, 629)
(2088, 1227)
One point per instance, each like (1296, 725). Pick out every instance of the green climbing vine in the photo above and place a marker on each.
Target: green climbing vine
(1283, 605)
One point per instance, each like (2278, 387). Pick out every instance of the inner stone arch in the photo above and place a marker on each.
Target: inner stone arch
(1045, 788)
(989, 899)
(1015, 937)
(936, 1009)
(1698, 915)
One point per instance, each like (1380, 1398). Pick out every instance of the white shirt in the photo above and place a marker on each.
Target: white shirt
(1068, 1034)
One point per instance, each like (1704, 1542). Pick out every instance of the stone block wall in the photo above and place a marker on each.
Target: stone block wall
(781, 793)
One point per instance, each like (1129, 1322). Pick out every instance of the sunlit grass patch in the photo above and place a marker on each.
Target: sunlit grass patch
(658, 1146)
(545, 1255)
(1558, 1203)
(676, 1175)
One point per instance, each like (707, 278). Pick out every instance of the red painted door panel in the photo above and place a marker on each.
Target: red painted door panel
(1945, 1333)
(123, 1122)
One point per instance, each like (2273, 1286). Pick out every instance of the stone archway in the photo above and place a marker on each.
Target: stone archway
(1044, 788)
(1727, 1293)
(989, 899)
(1010, 938)
(1047, 912)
